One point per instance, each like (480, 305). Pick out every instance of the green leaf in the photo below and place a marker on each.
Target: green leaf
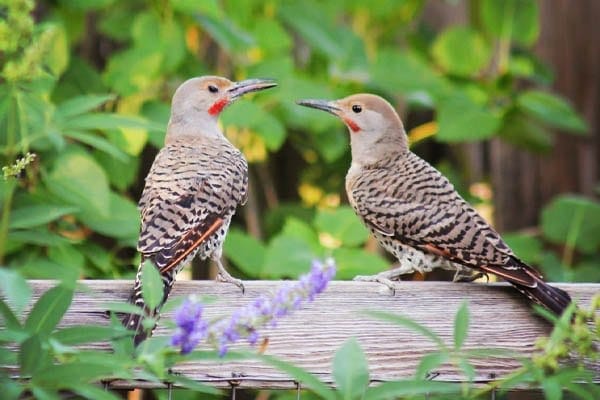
(226, 33)
(574, 221)
(343, 225)
(527, 247)
(461, 51)
(552, 110)
(417, 75)
(152, 285)
(49, 310)
(357, 261)
(33, 356)
(552, 389)
(271, 36)
(350, 370)
(516, 20)
(461, 325)
(78, 180)
(301, 375)
(15, 289)
(43, 393)
(97, 142)
(79, 334)
(107, 121)
(32, 216)
(56, 54)
(245, 251)
(460, 119)
(151, 32)
(409, 324)
(81, 104)
(125, 308)
(286, 256)
(10, 319)
(295, 227)
(183, 381)
(72, 374)
(313, 26)
(249, 115)
(525, 131)
(429, 362)
(92, 391)
(122, 221)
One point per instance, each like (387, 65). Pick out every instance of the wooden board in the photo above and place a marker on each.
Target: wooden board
(500, 318)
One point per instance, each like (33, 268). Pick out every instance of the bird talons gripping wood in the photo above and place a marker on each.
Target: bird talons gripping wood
(195, 184)
(413, 210)
(460, 276)
(385, 278)
(224, 276)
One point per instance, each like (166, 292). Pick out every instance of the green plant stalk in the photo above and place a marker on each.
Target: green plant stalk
(572, 236)
(6, 207)
(504, 42)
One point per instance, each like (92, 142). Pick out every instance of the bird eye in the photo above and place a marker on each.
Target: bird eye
(356, 108)
(213, 89)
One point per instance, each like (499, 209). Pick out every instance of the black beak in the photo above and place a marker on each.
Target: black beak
(324, 105)
(249, 85)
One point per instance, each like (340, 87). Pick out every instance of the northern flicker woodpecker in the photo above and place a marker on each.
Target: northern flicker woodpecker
(193, 188)
(413, 210)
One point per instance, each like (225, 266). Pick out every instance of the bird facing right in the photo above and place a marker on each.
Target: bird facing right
(413, 210)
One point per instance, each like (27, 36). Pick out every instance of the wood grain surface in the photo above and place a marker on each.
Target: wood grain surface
(500, 318)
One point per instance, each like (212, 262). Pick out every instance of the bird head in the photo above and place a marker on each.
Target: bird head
(375, 128)
(199, 101)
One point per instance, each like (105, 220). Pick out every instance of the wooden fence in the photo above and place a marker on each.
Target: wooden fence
(500, 318)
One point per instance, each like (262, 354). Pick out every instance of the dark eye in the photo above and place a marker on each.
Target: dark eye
(356, 108)
(213, 89)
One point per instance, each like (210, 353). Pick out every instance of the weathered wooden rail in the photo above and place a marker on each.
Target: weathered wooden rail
(500, 318)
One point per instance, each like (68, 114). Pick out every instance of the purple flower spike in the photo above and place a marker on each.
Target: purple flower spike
(191, 328)
(244, 322)
(267, 310)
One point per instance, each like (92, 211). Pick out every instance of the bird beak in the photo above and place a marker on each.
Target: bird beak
(323, 105)
(249, 85)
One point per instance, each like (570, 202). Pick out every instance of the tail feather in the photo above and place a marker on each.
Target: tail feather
(553, 298)
(135, 322)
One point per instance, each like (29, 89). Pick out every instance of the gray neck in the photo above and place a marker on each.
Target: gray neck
(195, 123)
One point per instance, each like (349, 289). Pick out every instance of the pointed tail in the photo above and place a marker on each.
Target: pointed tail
(135, 322)
(553, 298)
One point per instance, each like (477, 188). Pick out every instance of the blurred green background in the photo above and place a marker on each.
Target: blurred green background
(488, 90)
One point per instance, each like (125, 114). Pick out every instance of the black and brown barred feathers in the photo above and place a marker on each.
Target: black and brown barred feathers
(414, 211)
(193, 189)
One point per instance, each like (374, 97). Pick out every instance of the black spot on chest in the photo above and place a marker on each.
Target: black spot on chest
(185, 201)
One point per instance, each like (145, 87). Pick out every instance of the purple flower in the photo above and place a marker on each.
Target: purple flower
(268, 309)
(245, 321)
(191, 328)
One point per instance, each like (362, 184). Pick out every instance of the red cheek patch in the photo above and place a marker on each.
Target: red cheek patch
(217, 106)
(352, 125)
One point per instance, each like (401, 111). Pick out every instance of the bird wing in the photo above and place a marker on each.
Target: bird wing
(189, 193)
(424, 211)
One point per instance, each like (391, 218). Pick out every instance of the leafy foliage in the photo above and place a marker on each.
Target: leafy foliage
(84, 102)
(92, 116)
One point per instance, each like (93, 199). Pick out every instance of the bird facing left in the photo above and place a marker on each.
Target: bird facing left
(195, 184)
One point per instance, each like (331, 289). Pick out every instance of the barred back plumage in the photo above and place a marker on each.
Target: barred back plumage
(192, 190)
(414, 211)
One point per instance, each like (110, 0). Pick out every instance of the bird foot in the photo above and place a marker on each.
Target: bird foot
(227, 278)
(379, 278)
(469, 277)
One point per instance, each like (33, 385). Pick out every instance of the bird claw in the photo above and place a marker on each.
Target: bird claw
(467, 278)
(227, 278)
(379, 278)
